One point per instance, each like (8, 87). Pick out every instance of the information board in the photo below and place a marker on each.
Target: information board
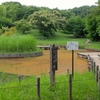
(72, 45)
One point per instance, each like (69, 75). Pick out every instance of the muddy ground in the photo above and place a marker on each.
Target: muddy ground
(40, 65)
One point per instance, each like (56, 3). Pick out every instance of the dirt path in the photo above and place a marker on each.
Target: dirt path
(40, 65)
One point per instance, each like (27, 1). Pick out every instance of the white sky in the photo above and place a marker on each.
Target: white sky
(60, 4)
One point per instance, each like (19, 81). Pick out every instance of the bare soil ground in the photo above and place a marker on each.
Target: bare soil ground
(40, 65)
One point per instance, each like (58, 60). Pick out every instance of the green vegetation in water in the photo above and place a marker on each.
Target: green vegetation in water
(21, 43)
(84, 87)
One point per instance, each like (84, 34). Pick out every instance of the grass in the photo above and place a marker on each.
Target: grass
(22, 43)
(60, 39)
(84, 87)
(27, 43)
(93, 45)
(11, 88)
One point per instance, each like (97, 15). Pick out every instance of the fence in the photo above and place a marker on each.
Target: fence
(70, 88)
(94, 67)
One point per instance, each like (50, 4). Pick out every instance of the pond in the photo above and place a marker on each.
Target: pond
(41, 64)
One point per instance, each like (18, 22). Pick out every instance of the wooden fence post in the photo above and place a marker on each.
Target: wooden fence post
(94, 65)
(19, 78)
(68, 71)
(38, 88)
(53, 63)
(99, 81)
(70, 86)
(90, 64)
(89, 68)
(96, 73)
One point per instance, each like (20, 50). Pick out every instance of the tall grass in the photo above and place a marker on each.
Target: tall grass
(22, 43)
(84, 88)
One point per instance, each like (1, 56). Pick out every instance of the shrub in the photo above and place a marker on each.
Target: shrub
(10, 31)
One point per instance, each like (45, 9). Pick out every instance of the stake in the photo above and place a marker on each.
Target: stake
(72, 62)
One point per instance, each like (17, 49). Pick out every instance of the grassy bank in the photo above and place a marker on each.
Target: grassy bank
(93, 45)
(60, 39)
(84, 87)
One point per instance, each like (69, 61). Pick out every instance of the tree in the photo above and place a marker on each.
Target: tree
(47, 21)
(5, 22)
(12, 10)
(3, 11)
(75, 25)
(93, 24)
(28, 10)
(22, 25)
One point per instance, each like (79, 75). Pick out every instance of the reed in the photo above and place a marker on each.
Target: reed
(13, 44)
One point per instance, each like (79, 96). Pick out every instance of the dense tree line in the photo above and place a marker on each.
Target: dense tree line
(93, 24)
(82, 21)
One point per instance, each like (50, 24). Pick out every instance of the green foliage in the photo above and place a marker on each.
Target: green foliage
(12, 10)
(28, 10)
(93, 24)
(24, 43)
(82, 11)
(4, 29)
(75, 25)
(23, 26)
(91, 27)
(1, 31)
(5, 22)
(50, 20)
(47, 21)
(2, 11)
(10, 31)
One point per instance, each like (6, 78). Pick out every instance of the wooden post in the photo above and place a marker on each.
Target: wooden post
(89, 68)
(89, 63)
(88, 58)
(52, 71)
(19, 78)
(96, 73)
(68, 71)
(72, 62)
(38, 88)
(52, 77)
(99, 81)
(70, 87)
(94, 65)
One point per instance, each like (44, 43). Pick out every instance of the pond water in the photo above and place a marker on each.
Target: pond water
(41, 64)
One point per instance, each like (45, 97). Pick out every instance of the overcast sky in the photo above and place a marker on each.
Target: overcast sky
(61, 4)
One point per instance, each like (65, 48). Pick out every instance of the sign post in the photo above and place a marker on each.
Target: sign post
(53, 62)
(72, 46)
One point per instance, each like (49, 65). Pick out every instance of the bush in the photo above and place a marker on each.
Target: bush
(10, 31)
